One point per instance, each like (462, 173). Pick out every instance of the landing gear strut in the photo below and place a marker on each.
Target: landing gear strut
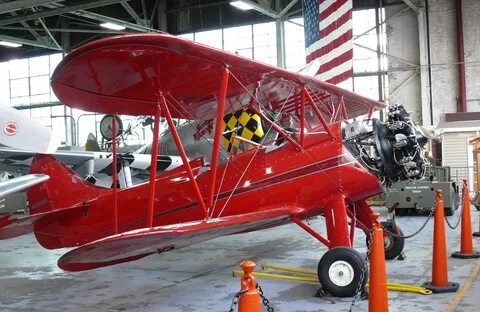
(340, 270)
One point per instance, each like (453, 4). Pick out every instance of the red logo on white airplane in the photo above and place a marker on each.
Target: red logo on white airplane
(10, 128)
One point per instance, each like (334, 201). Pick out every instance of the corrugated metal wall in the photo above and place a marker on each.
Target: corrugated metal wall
(455, 155)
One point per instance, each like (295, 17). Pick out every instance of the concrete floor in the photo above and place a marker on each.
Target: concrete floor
(199, 278)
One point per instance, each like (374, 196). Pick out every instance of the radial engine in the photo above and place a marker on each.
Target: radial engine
(391, 150)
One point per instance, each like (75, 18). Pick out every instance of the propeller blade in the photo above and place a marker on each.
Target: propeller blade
(22, 132)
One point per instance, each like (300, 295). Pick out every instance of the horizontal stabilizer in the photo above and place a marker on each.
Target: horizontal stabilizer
(21, 183)
(136, 244)
(10, 228)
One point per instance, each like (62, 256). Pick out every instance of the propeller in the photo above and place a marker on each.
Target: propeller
(22, 132)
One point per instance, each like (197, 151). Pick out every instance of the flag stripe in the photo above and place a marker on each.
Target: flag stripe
(345, 57)
(344, 18)
(335, 71)
(334, 7)
(342, 77)
(331, 46)
(324, 4)
(332, 37)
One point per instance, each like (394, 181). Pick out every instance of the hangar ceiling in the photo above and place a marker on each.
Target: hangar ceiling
(42, 26)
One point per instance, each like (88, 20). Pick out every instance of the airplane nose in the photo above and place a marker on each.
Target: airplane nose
(392, 150)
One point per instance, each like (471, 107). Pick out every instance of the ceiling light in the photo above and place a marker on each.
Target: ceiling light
(10, 44)
(113, 26)
(241, 5)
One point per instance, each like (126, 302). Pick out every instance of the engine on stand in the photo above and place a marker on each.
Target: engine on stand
(392, 150)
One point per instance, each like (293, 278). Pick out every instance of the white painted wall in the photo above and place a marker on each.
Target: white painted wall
(403, 42)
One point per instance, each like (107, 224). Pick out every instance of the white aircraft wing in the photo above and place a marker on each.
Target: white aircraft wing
(21, 183)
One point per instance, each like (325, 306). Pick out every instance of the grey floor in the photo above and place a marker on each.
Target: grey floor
(199, 278)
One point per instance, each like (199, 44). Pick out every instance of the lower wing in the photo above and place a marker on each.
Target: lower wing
(136, 244)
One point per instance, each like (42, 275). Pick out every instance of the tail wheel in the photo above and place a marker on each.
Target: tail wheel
(339, 271)
(393, 244)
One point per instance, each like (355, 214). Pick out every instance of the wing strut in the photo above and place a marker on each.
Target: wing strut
(218, 136)
(153, 165)
(318, 113)
(181, 151)
(114, 176)
(302, 117)
(341, 106)
(276, 128)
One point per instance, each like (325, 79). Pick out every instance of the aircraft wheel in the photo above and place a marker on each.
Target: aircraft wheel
(339, 271)
(401, 212)
(393, 245)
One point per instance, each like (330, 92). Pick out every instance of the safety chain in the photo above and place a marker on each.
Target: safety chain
(364, 270)
(416, 232)
(265, 301)
(235, 299)
(237, 296)
(453, 227)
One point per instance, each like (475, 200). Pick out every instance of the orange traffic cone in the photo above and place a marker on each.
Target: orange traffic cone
(466, 244)
(440, 283)
(378, 294)
(250, 297)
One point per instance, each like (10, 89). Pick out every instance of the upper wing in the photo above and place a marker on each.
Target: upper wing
(125, 74)
(137, 244)
(21, 183)
(22, 132)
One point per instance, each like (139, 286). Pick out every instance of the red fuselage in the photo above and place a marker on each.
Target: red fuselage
(274, 178)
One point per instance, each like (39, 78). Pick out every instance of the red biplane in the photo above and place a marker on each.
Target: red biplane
(292, 151)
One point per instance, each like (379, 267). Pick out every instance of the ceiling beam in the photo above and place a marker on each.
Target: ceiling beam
(287, 8)
(58, 11)
(32, 43)
(13, 6)
(132, 13)
(107, 19)
(67, 30)
(52, 38)
(413, 5)
(257, 7)
(25, 25)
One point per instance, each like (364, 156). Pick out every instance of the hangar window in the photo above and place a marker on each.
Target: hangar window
(238, 40)
(27, 81)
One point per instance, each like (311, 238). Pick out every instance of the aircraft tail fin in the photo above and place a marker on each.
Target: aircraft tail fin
(64, 188)
(92, 145)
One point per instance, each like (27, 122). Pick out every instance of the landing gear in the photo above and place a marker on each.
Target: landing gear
(393, 244)
(339, 271)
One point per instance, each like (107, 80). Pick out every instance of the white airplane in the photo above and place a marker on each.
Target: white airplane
(19, 131)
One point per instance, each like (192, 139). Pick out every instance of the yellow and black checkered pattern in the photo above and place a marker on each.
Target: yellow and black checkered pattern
(242, 123)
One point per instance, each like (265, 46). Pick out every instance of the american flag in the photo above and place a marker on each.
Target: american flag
(328, 38)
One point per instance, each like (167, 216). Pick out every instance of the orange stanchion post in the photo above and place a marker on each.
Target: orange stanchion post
(378, 293)
(250, 298)
(466, 244)
(440, 283)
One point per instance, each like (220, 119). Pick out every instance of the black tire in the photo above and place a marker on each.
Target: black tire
(401, 212)
(449, 211)
(393, 245)
(330, 267)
